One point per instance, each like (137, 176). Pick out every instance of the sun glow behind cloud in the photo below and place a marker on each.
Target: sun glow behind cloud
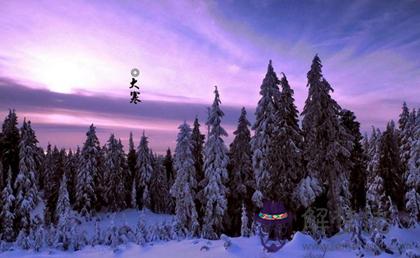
(62, 71)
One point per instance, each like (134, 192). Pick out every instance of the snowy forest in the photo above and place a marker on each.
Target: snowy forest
(310, 160)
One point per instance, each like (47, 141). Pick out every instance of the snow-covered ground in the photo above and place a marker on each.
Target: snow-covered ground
(300, 246)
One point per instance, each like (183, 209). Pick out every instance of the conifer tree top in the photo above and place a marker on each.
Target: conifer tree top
(131, 142)
(315, 74)
(270, 80)
(215, 116)
(243, 121)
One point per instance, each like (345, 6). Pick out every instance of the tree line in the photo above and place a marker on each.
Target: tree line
(323, 162)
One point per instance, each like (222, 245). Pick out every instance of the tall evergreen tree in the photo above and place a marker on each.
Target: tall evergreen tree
(126, 174)
(144, 173)
(99, 179)
(373, 154)
(390, 165)
(358, 171)
(169, 167)
(215, 173)
(170, 178)
(261, 142)
(285, 156)
(185, 183)
(55, 161)
(10, 145)
(131, 162)
(404, 116)
(63, 207)
(159, 190)
(404, 135)
(25, 184)
(116, 166)
(71, 174)
(39, 163)
(48, 187)
(7, 212)
(412, 197)
(326, 142)
(245, 230)
(241, 179)
(63, 236)
(197, 141)
(85, 195)
(376, 198)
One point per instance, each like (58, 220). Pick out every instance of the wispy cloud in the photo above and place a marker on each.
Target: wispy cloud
(72, 114)
(370, 51)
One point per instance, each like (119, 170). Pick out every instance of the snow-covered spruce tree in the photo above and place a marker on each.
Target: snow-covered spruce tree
(144, 173)
(357, 183)
(308, 190)
(184, 185)
(60, 160)
(77, 160)
(376, 200)
(394, 215)
(412, 205)
(10, 145)
(23, 240)
(378, 244)
(412, 197)
(126, 233)
(85, 195)
(153, 234)
(327, 146)
(358, 242)
(99, 179)
(131, 163)
(162, 232)
(25, 184)
(7, 213)
(245, 230)
(241, 178)
(197, 142)
(62, 239)
(63, 208)
(365, 144)
(215, 173)
(39, 167)
(39, 238)
(170, 176)
(141, 230)
(373, 154)
(70, 169)
(48, 187)
(56, 161)
(98, 235)
(79, 237)
(159, 190)
(111, 237)
(261, 142)
(404, 135)
(390, 165)
(116, 166)
(285, 156)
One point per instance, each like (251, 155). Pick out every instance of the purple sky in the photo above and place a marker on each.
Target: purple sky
(66, 64)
